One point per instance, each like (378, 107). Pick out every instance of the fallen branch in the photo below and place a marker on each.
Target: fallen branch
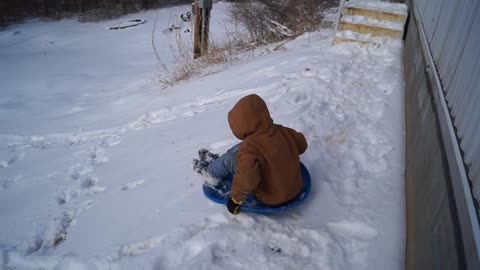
(127, 24)
(278, 28)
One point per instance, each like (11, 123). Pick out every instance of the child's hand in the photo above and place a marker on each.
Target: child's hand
(233, 206)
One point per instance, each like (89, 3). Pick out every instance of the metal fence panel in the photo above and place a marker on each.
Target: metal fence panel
(463, 98)
(432, 232)
(430, 17)
(449, 13)
(452, 28)
(457, 36)
(452, 31)
(421, 4)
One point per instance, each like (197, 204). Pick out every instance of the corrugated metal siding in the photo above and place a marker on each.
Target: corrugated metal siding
(452, 29)
(458, 33)
(448, 14)
(421, 4)
(431, 16)
(432, 224)
(464, 100)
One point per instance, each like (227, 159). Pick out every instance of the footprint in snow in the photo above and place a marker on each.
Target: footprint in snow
(301, 98)
(354, 238)
(7, 183)
(11, 161)
(133, 184)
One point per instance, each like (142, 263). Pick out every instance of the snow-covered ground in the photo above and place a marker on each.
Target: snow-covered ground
(95, 157)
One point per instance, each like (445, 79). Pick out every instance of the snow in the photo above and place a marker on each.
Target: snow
(96, 157)
(395, 8)
(346, 34)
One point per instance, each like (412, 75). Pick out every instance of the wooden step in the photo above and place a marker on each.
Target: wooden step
(375, 14)
(377, 10)
(349, 36)
(371, 21)
(370, 26)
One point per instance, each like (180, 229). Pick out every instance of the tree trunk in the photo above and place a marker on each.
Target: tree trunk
(124, 6)
(83, 6)
(145, 4)
(46, 10)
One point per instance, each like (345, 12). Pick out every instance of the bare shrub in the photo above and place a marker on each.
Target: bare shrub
(219, 56)
(227, 51)
(182, 51)
(273, 20)
(266, 21)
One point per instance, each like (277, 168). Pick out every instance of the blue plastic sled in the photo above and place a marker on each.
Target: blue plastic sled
(220, 194)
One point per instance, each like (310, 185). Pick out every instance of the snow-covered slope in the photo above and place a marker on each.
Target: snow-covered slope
(95, 158)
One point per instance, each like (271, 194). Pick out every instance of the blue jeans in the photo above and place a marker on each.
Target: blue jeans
(224, 165)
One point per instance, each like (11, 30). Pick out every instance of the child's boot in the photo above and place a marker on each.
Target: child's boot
(201, 167)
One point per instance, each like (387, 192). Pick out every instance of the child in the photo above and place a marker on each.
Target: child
(266, 163)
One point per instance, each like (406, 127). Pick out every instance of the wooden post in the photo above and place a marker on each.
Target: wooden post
(205, 28)
(145, 4)
(197, 30)
(82, 6)
(46, 9)
(201, 23)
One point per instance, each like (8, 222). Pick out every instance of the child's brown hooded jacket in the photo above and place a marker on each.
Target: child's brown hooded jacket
(268, 162)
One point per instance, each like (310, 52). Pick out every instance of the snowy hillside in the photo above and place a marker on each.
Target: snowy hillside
(96, 158)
